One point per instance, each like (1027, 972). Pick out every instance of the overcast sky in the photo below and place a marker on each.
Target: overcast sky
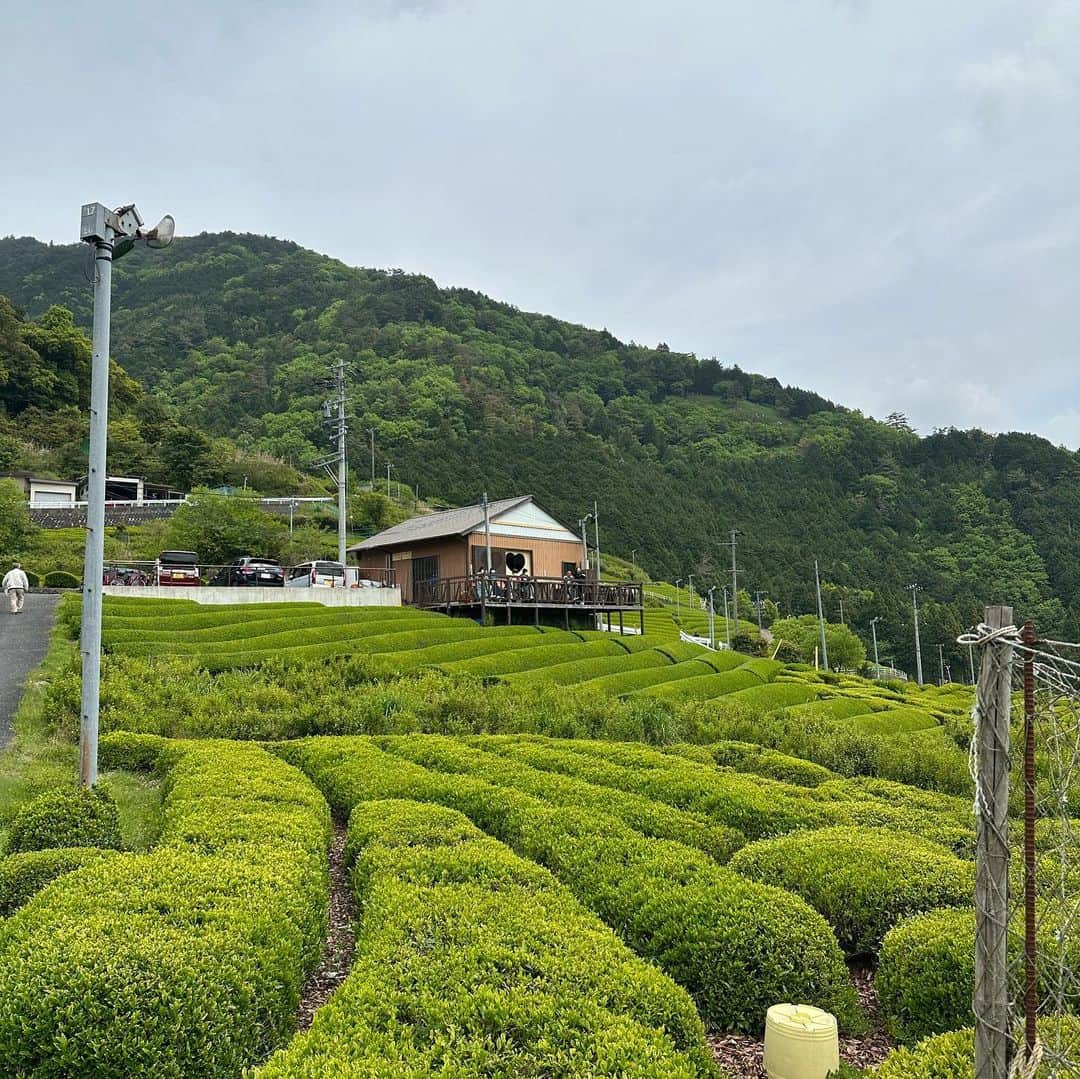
(874, 199)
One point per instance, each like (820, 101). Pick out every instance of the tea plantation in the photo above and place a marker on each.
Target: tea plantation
(570, 853)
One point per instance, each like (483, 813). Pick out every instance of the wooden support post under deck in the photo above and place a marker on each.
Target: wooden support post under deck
(621, 634)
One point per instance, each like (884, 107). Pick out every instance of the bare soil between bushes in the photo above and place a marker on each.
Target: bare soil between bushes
(337, 957)
(742, 1055)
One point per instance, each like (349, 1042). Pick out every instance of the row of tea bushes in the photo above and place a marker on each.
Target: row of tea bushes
(649, 817)
(472, 961)
(927, 969)
(736, 945)
(187, 961)
(862, 880)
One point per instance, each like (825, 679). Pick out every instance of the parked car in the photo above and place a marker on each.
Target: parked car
(178, 568)
(316, 574)
(251, 570)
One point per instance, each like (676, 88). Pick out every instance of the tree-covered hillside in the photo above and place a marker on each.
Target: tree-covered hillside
(230, 335)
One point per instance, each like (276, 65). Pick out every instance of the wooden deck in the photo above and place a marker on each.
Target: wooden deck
(521, 597)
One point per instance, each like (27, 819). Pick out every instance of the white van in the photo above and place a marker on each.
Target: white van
(316, 574)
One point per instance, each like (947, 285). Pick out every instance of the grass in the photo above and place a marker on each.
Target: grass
(38, 760)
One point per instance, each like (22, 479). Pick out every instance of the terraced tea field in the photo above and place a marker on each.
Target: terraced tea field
(540, 891)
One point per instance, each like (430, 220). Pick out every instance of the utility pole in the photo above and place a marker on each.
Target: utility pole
(342, 472)
(918, 647)
(873, 629)
(678, 593)
(388, 467)
(371, 431)
(633, 564)
(734, 578)
(941, 665)
(487, 533)
(727, 619)
(582, 524)
(757, 603)
(712, 619)
(842, 610)
(596, 533)
(691, 580)
(971, 662)
(111, 234)
(821, 618)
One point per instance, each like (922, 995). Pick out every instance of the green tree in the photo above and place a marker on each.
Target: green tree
(16, 529)
(221, 527)
(804, 633)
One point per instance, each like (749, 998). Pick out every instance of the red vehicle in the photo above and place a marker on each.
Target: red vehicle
(178, 568)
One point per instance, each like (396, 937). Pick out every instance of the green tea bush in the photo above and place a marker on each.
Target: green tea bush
(705, 686)
(496, 640)
(59, 579)
(471, 961)
(644, 815)
(66, 817)
(548, 656)
(861, 880)
(184, 962)
(736, 945)
(771, 697)
(626, 680)
(952, 1055)
(22, 876)
(927, 970)
(747, 757)
(894, 721)
(574, 670)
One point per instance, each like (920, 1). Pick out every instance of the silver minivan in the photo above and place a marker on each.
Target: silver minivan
(316, 574)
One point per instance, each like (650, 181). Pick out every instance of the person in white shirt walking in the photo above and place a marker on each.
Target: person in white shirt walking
(15, 585)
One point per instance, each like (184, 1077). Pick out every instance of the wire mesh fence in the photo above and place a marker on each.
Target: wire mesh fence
(1026, 766)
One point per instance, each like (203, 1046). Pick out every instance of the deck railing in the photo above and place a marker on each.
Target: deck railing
(527, 592)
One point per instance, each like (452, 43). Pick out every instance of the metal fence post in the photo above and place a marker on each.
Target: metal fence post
(993, 704)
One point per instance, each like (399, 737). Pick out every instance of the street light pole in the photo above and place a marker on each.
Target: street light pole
(918, 647)
(873, 629)
(388, 467)
(678, 593)
(596, 533)
(821, 618)
(583, 525)
(371, 431)
(112, 234)
(734, 578)
(727, 619)
(690, 578)
(941, 664)
(712, 619)
(757, 602)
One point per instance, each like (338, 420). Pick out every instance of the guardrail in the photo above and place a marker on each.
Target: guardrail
(144, 573)
(526, 592)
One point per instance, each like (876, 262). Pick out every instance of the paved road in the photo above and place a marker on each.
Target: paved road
(24, 639)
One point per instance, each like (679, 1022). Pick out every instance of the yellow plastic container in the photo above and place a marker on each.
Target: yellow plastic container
(800, 1042)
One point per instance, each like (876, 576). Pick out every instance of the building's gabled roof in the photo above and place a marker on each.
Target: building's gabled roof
(456, 522)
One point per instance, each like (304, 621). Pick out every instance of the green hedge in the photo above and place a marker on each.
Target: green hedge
(497, 639)
(467, 757)
(927, 970)
(22, 876)
(861, 880)
(627, 681)
(471, 961)
(765, 669)
(771, 697)
(66, 817)
(736, 945)
(58, 578)
(704, 687)
(895, 721)
(952, 1056)
(749, 804)
(748, 757)
(530, 659)
(574, 671)
(185, 962)
(830, 708)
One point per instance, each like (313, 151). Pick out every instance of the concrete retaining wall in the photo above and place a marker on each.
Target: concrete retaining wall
(329, 597)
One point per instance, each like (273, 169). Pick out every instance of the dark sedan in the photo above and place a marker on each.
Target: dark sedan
(252, 570)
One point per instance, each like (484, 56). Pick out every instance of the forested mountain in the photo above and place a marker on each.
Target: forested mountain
(230, 337)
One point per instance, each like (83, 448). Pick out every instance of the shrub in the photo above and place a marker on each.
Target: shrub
(747, 757)
(581, 669)
(894, 721)
(22, 876)
(472, 961)
(952, 1056)
(927, 970)
(736, 945)
(628, 680)
(769, 698)
(550, 656)
(860, 880)
(187, 961)
(57, 578)
(67, 817)
(704, 686)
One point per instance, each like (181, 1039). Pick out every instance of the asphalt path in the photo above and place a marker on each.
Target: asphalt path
(24, 640)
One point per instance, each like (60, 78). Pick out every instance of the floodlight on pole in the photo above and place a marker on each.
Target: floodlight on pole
(111, 233)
